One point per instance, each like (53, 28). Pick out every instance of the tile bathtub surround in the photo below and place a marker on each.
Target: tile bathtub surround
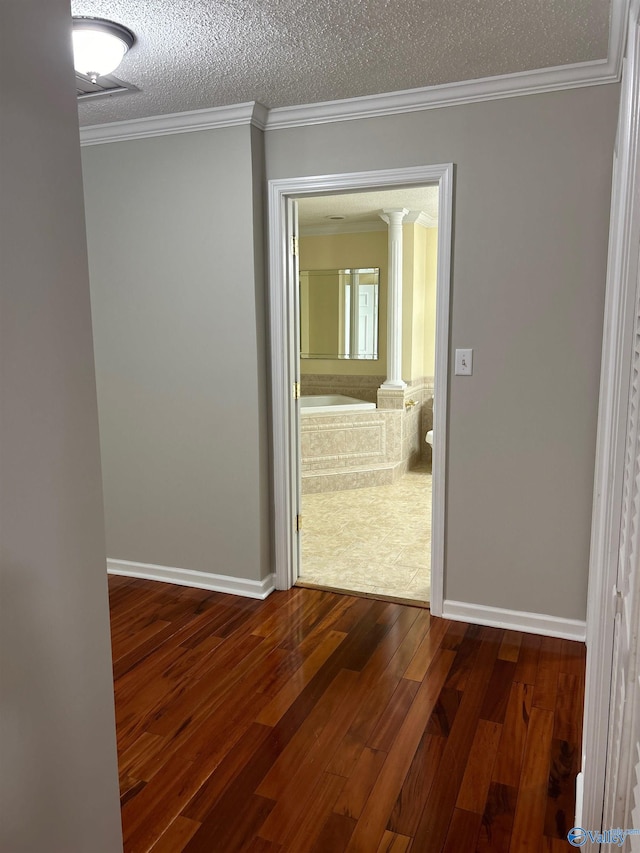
(375, 541)
(337, 481)
(416, 418)
(359, 386)
(352, 450)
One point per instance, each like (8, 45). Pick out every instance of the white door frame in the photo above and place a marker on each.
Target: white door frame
(615, 393)
(281, 324)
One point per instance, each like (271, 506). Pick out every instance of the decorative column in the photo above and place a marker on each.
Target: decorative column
(393, 217)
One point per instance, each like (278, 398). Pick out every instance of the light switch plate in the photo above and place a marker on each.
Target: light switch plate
(464, 362)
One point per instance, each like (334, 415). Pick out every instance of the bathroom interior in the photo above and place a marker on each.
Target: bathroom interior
(367, 313)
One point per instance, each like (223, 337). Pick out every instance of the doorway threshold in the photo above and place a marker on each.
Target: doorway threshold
(394, 599)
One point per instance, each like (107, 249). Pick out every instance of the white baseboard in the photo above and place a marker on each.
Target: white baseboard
(189, 577)
(577, 820)
(515, 620)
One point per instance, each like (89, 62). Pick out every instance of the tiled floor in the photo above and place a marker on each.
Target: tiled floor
(375, 540)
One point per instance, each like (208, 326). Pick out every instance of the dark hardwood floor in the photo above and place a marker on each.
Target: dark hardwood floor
(324, 723)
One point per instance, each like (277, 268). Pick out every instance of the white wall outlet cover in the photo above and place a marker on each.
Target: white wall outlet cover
(464, 362)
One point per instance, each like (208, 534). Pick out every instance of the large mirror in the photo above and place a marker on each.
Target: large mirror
(339, 313)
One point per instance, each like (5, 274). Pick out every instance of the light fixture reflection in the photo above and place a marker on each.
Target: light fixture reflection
(99, 46)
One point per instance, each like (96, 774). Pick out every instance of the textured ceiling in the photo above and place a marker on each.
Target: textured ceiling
(193, 54)
(364, 207)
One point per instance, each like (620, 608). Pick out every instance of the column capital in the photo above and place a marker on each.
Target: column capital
(394, 215)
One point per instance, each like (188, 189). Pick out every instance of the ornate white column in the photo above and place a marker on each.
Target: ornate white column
(393, 217)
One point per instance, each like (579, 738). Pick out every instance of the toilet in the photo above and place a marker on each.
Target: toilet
(429, 436)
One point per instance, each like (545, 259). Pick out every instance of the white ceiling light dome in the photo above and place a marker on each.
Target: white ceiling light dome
(99, 46)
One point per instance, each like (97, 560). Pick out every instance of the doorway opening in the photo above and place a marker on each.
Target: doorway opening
(366, 434)
(289, 326)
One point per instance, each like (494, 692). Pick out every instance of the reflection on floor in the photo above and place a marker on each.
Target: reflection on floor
(375, 541)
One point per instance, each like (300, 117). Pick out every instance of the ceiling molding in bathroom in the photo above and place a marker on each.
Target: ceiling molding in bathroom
(341, 228)
(420, 217)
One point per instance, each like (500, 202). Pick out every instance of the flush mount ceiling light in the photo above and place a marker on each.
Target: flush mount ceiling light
(99, 46)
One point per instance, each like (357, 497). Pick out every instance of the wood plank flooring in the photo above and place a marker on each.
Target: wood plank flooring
(320, 723)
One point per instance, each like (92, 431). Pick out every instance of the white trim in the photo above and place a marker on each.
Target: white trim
(610, 447)
(426, 220)
(577, 820)
(282, 397)
(190, 577)
(446, 95)
(538, 81)
(441, 389)
(282, 370)
(514, 620)
(250, 113)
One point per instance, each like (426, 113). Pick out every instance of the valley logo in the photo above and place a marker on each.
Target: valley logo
(578, 836)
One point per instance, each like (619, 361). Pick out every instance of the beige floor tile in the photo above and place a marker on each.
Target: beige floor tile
(374, 540)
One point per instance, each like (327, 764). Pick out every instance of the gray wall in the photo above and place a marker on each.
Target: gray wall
(532, 189)
(58, 757)
(175, 250)
(177, 292)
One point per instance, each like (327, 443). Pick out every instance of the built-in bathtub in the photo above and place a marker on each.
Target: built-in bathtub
(347, 443)
(333, 403)
(350, 443)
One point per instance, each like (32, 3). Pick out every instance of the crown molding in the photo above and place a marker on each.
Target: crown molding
(446, 95)
(536, 82)
(341, 228)
(540, 81)
(234, 115)
(419, 217)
